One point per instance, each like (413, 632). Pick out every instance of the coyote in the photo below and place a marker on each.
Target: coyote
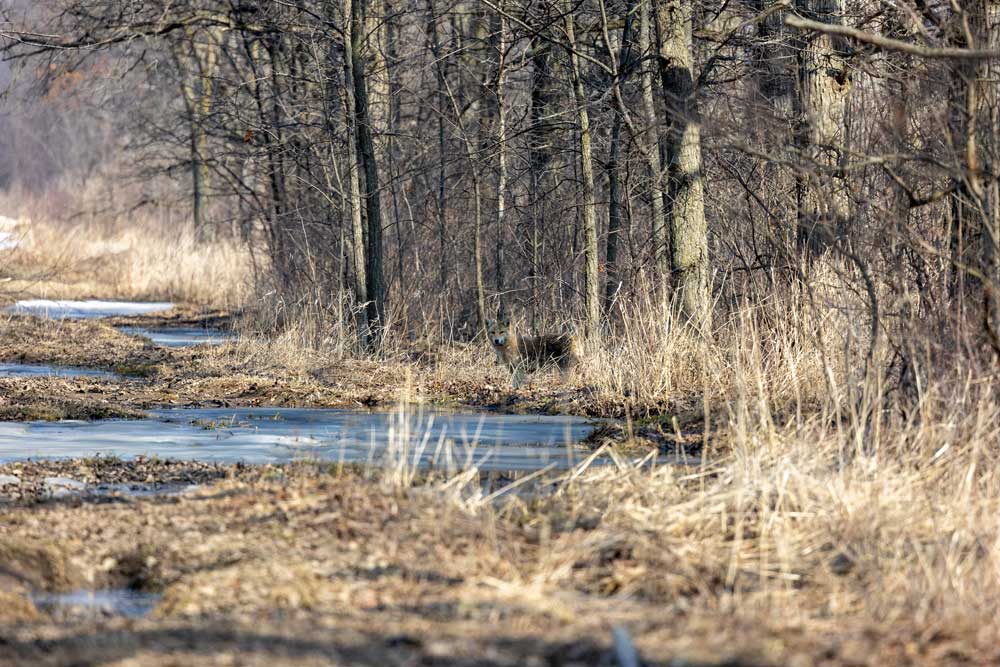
(521, 354)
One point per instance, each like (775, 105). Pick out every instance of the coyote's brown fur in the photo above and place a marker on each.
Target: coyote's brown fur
(524, 353)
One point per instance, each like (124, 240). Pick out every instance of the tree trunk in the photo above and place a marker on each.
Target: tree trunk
(197, 86)
(592, 298)
(392, 38)
(539, 156)
(823, 85)
(688, 227)
(661, 255)
(614, 214)
(369, 166)
(359, 273)
(499, 88)
(477, 251)
(973, 123)
(620, 65)
(439, 76)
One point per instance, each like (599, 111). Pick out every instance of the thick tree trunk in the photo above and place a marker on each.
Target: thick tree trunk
(588, 207)
(688, 227)
(823, 87)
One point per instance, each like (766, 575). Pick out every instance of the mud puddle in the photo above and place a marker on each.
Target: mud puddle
(90, 309)
(181, 336)
(102, 603)
(438, 439)
(44, 370)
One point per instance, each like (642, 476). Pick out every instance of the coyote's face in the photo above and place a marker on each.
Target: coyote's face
(498, 331)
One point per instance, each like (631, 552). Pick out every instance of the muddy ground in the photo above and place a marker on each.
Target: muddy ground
(242, 375)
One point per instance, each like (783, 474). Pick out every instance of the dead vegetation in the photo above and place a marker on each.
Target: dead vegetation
(139, 259)
(845, 515)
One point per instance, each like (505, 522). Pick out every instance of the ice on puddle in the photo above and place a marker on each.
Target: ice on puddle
(445, 439)
(59, 487)
(86, 309)
(42, 370)
(180, 337)
(114, 602)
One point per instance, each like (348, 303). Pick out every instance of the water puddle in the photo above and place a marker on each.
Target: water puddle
(85, 309)
(103, 603)
(42, 370)
(180, 337)
(440, 439)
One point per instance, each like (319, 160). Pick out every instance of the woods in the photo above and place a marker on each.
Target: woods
(545, 331)
(437, 161)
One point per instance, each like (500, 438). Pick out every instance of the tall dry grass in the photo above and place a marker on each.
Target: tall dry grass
(829, 503)
(144, 258)
(832, 510)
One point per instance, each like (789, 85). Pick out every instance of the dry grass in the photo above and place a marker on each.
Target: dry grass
(144, 260)
(835, 520)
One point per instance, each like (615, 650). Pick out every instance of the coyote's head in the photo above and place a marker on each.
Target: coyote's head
(498, 331)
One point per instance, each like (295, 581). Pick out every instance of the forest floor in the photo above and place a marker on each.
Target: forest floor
(298, 565)
(770, 555)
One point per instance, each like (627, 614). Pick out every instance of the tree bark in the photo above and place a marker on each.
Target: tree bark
(358, 250)
(369, 166)
(499, 89)
(592, 299)
(824, 85)
(441, 202)
(539, 157)
(661, 255)
(197, 85)
(688, 227)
